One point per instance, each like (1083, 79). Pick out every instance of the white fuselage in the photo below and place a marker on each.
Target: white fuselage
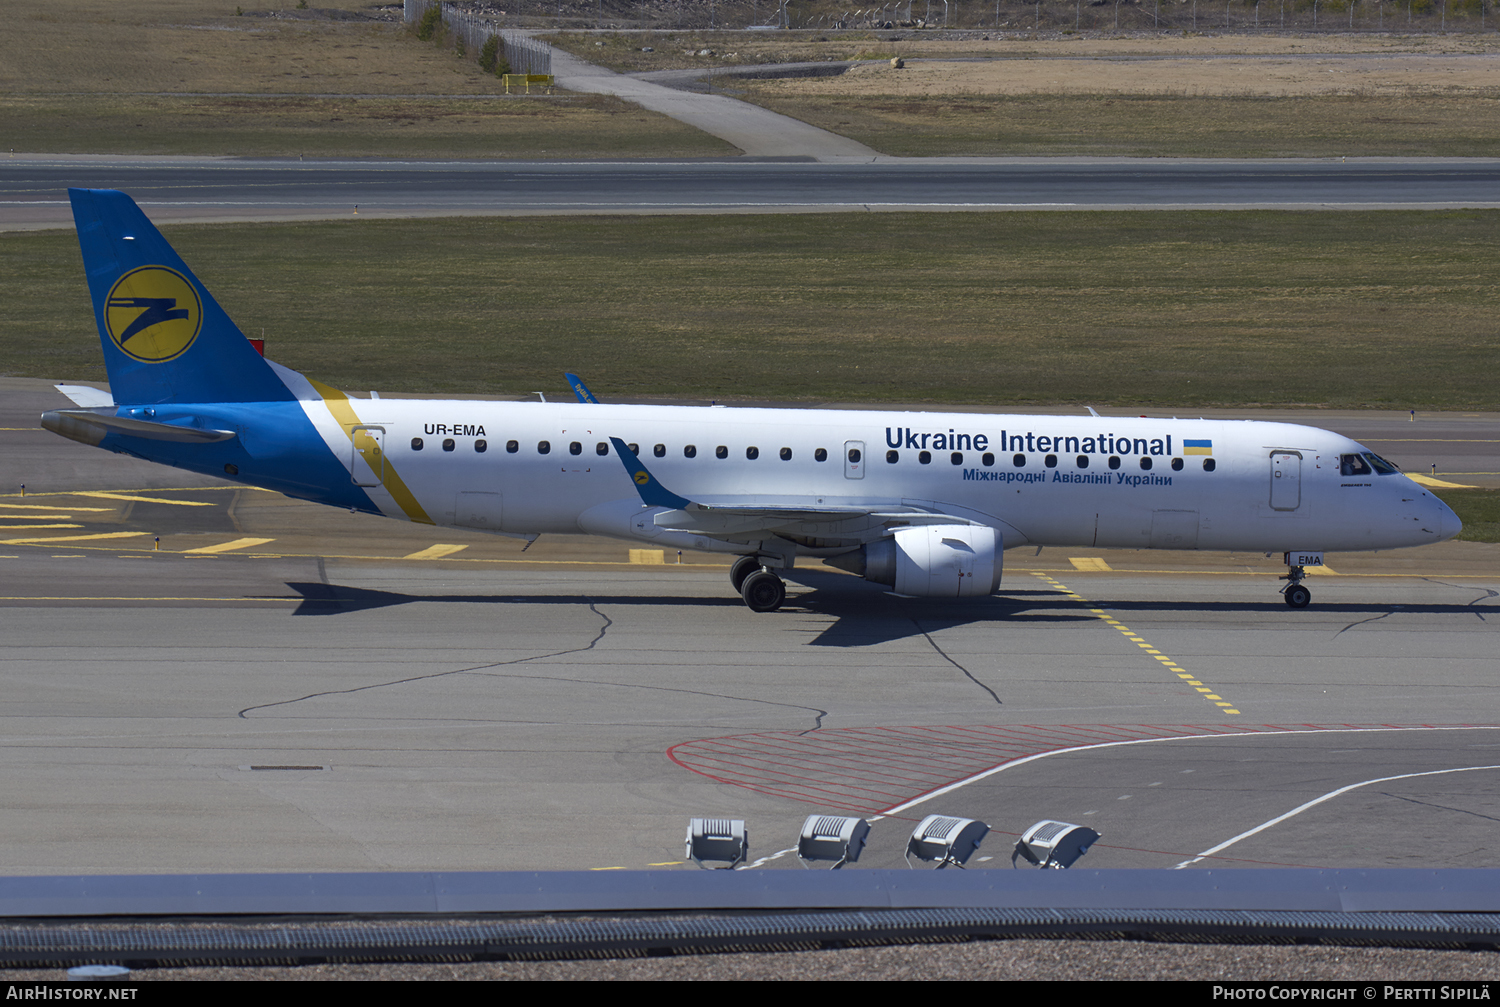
(1102, 482)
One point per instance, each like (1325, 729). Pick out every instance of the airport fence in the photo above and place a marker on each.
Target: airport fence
(523, 54)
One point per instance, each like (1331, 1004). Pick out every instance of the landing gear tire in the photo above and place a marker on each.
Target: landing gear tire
(763, 591)
(1297, 596)
(742, 568)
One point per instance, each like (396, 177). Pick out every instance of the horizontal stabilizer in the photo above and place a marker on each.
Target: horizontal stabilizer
(89, 427)
(87, 396)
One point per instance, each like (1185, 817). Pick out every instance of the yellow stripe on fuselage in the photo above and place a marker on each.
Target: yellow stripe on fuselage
(343, 411)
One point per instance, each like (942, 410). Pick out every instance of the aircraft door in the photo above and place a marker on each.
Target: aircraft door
(1286, 480)
(854, 459)
(367, 455)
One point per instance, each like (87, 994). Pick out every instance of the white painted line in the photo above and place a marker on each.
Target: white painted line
(1319, 800)
(986, 774)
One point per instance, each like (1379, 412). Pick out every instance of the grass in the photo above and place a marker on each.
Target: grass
(1151, 125)
(1392, 309)
(174, 77)
(181, 46)
(561, 126)
(1478, 509)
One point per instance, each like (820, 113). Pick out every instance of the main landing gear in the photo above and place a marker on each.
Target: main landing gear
(762, 590)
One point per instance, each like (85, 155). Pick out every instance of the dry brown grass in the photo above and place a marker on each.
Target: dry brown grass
(676, 50)
(166, 77)
(178, 46)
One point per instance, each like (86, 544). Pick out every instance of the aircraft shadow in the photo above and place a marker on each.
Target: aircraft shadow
(867, 615)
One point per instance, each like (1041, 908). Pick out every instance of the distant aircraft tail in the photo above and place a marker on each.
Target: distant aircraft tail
(165, 337)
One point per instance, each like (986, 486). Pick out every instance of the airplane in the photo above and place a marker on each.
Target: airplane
(923, 503)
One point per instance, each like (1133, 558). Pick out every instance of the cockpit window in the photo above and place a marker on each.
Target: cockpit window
(1353, 465)
(1380, 465)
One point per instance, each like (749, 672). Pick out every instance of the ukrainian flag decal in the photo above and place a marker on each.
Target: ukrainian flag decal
(1197, 447)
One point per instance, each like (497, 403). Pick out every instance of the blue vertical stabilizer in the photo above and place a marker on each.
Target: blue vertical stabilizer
(165, 337)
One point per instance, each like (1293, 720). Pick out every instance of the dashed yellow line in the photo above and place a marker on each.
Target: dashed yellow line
(74, 538)
(1166, 662)
(435, 551)
(102, 495)
(239, 543)
(11, 506)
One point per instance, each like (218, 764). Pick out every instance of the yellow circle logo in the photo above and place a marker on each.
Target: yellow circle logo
(153, 314)
(642, 478)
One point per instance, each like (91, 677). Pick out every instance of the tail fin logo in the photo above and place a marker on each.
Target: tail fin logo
(153, 314)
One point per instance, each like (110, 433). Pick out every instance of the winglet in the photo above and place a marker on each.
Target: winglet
(653, 493)
(580, 389)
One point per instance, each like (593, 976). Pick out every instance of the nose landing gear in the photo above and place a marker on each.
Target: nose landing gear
(1294, 594)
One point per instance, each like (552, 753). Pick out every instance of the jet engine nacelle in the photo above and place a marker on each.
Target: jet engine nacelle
(933, 561)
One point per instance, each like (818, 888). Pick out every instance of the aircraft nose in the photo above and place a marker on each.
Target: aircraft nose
(1448, 523)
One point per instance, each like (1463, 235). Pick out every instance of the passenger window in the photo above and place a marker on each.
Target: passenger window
(448, 444)
(416, 444)
(892, 457)
(543, 447)
(957, 458)
(481, 446)
(511, 447)
(854, 456)
(721, 451)
(635, 449)
(1050, 461)
(786, 454)
(1176, 464)
(820, 455)
(988, 460)
(575, 448)
(1209, 464)
(925, 457)
(1146, 462)
(602, 448)
(1114, 461)
(690, 451)
(1019, 461)
(1083, 461)
(660, 451)
(752, 453)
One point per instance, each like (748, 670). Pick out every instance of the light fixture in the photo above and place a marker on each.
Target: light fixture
(719, 839)
(1054, 844)
(946, 840)
(826, 837)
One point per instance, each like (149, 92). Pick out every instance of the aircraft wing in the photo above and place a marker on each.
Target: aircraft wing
(580, 389)
(741, 515)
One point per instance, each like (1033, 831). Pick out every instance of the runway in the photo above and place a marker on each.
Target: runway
(285, 687)
(32, 189)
